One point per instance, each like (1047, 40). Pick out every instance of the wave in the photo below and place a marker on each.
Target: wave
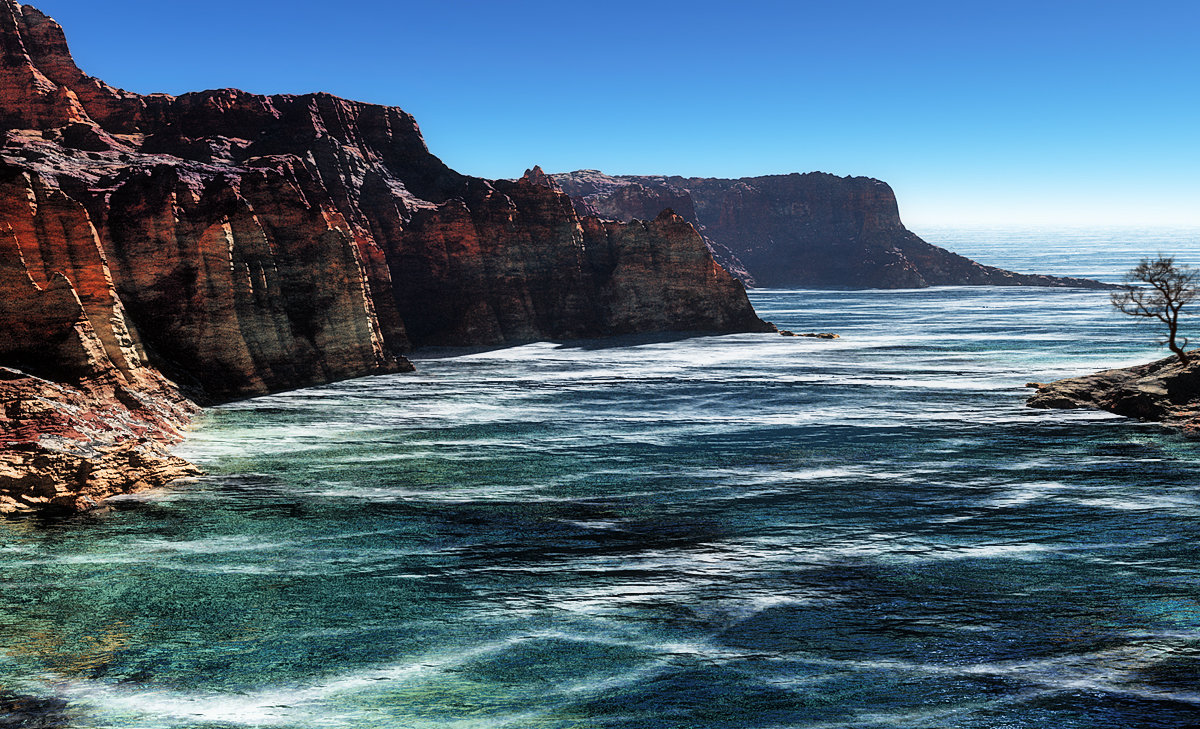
(346, 699)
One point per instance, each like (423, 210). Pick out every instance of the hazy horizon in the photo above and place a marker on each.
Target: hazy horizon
(1029, 114)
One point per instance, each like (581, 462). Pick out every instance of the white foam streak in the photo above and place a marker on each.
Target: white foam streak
(304, 705)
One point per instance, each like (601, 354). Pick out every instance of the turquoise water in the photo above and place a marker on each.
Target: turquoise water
(738, 531)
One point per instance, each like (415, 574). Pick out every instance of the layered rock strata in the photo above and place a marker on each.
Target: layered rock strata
(157, 251)
(813, 230)
(73, 445)
(1165, 391)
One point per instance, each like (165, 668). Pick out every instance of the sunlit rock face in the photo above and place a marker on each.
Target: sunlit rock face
(221, 244)
(1166, 391)
(811, 231)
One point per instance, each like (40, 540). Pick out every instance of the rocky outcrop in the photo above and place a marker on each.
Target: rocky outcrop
(1165, 391)
(71, 446)
(84, 417)
(813, 230)
(632, 258)
(510, 261)
(157, 251)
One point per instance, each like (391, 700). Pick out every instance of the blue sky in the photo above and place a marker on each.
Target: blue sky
(1084, 113)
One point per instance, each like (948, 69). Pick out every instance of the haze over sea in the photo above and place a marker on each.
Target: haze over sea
(738, 531)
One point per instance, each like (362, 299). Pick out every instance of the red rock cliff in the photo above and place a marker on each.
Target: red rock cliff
(242, 244)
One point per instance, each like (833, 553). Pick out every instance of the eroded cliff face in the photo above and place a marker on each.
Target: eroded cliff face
(511, 261)
(159, 250)
(812, 230)
(84, 417)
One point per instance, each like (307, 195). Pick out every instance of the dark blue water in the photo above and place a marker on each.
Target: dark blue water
(740, 531)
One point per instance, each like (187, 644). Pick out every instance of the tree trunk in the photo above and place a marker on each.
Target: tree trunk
(1183, 357)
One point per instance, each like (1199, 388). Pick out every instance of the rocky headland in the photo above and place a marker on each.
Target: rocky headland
(159, 251)
(1166, 391)
(812, 230)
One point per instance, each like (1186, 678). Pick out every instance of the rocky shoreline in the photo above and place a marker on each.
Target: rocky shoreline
(1165, 391)
(159, 252)
(69, 447)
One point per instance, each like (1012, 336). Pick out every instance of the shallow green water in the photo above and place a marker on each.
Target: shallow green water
(739, 531)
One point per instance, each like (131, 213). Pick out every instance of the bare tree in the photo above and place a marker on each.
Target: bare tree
(1170, 288)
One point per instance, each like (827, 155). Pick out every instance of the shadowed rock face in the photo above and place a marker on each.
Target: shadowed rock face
(242, 244)
(813, 230)
(1164, 391)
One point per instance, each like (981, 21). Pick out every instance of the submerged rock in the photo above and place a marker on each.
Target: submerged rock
(813, 335)
(18, 711)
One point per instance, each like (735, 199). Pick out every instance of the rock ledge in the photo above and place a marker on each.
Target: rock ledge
(1164, 391)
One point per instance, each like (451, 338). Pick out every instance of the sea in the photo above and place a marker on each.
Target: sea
(662, 532)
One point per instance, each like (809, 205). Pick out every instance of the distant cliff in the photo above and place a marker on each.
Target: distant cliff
(813, 230)
(222, 244)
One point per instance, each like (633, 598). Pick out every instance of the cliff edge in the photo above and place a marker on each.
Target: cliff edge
(160, 251)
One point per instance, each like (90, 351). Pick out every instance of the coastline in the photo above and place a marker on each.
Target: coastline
(165, 251)
(70, 446)
(502, 499)
(1165, 391)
